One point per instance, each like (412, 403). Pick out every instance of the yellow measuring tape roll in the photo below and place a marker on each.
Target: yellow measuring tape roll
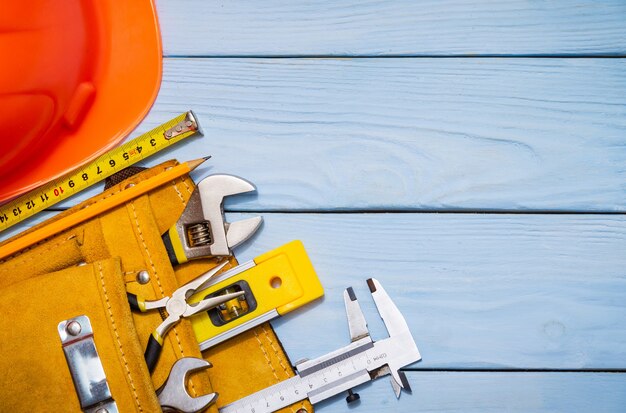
(161, 137)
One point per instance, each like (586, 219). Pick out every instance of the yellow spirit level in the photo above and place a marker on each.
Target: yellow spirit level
(274, 284)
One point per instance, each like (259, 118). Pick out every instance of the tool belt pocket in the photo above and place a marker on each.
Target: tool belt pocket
(69, 343)
(72, 290)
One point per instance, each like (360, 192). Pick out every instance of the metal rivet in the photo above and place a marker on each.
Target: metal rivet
(130, 185)
(143, 277)
(73, 328)
(168, 133)
(179, 128)
(102, 410)
(189, 123)
(301, 410)
(81, 264)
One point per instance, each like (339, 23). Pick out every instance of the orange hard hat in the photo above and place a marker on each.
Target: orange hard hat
(76, 78)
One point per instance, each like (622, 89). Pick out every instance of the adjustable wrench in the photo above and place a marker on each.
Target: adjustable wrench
(202, 230)
(173, 395)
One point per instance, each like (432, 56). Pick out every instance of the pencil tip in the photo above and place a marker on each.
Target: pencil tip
(197, 162)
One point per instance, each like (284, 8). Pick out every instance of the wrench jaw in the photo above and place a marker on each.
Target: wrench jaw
(202, 230)
(213, 189)
(239, 231)
(173, 396)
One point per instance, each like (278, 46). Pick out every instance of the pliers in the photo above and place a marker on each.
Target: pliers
(177, 308)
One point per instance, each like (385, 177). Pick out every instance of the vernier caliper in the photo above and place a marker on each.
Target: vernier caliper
(341, 370)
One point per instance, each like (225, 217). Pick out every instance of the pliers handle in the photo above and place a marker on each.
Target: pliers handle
(155, 342)
(137, 303)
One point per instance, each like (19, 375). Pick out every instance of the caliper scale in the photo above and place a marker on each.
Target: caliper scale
(341, 370)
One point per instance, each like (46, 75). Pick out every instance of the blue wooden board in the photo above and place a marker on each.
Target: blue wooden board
(497, 293)
(410, 28)
(478, 291)
(465, 108)
(471, 392)
(407, 134)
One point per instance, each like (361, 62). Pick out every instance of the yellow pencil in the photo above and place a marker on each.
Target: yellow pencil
(98, 208)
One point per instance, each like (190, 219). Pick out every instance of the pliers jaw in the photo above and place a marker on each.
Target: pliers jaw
(202, 230)
(177, 307)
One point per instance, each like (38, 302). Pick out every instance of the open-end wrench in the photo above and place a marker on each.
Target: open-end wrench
(173, 395)
(202, 230)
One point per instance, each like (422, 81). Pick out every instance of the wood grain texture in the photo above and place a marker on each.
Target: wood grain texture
(407, 134)
(492, 393)
(478, 291)
(375, 28)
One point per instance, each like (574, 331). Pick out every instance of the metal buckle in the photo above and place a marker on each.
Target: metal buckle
(85, 366)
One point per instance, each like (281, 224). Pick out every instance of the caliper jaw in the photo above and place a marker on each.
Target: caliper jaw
(400, 338)
(356, 320)
(399, 335)
(345, 368)
(396, 385)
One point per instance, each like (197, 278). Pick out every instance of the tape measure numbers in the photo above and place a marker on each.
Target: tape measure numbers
(133, 151)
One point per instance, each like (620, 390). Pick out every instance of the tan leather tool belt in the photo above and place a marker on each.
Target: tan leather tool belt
(86, 270)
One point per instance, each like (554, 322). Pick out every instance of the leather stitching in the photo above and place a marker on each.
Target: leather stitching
(117, 338)
(184, 181)
(267, 357)
(280, 361)
(156, 276)
(11, 260)
(180, 195)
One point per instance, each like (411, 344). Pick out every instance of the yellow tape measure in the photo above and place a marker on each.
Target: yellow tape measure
(106, 165)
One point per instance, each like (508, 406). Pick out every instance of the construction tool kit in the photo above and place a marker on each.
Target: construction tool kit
(132, 300)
